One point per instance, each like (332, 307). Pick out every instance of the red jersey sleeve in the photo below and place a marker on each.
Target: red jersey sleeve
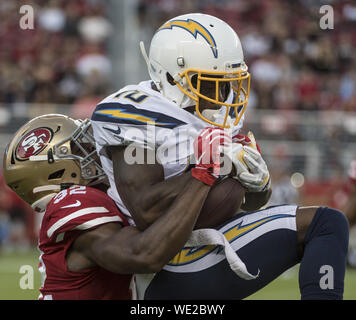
(79, 208)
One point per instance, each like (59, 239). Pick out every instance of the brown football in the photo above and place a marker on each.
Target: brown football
(222, 202)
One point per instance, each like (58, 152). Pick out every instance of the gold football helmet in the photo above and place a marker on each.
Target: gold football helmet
(48, 154)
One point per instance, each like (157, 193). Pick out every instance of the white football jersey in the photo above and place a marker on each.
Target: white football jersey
(139, 115)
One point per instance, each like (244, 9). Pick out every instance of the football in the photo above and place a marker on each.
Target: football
(222, 202)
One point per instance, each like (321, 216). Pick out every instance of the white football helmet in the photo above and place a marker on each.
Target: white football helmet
(193, 52)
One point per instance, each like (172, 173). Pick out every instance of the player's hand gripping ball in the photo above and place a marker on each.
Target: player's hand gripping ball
(352, 171)
(251, 169)
(226, 194)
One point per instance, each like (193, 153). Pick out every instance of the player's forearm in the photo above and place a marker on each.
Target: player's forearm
(256, 200)
(164, 238)
(350, 210)
(133, 251)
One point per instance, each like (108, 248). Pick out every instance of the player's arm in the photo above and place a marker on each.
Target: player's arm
(175, 204)
(128, 250)
(142, 187)
(350, 209)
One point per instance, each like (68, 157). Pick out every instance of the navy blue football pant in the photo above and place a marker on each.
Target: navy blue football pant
(266, 241)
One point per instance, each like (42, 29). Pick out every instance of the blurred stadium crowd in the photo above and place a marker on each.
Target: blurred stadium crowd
(295, 65)
(62, 59)
(293, 62)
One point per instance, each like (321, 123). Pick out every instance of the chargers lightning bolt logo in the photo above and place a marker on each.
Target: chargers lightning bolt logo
(194, 28)
(189, 255)
(119, 113)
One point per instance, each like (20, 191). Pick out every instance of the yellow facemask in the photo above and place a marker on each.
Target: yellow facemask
(211, 89)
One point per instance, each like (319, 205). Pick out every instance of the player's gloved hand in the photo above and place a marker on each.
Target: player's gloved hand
(258, 177)
(352, 171)
(246, 140)
(251, 169)
(207, 154)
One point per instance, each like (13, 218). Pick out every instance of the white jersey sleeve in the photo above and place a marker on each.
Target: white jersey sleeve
(139, 115)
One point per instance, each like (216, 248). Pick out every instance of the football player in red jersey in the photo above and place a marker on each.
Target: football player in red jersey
(88, 251)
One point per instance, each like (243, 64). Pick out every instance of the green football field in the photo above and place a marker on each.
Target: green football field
(11, 280)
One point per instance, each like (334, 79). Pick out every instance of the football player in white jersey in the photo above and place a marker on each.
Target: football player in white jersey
(144, 137)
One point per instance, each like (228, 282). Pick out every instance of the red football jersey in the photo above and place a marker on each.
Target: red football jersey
(68, 214)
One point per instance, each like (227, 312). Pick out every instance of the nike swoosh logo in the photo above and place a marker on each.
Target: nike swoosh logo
(118, 131)
(76, 204)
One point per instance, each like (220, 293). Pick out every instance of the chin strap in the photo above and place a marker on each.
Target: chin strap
(144, 54)
(49, 187)
(41, 204)
(149, 65)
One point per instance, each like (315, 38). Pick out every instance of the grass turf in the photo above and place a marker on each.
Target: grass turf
(283, 288)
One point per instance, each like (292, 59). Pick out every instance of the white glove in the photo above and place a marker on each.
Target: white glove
(251, 169)
(235, 153)
(258, 178)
